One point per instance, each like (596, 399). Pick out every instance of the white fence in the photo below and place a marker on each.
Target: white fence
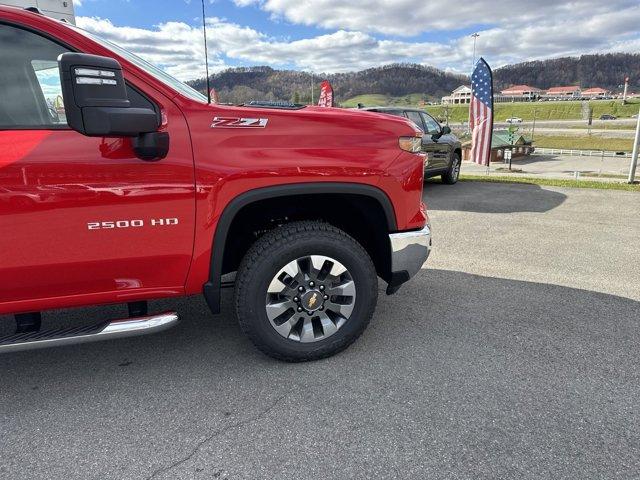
(582, 153)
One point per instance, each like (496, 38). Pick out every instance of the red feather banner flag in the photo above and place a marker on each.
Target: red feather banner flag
(481, 113)
(326, 94)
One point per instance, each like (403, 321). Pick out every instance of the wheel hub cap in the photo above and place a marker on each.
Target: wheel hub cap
(310, 298)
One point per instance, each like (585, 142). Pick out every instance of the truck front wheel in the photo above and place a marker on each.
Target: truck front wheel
(305, 291)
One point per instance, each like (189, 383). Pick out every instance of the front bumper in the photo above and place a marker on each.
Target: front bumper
(409, 251)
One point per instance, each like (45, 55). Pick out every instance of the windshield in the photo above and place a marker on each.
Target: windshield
(159, 74)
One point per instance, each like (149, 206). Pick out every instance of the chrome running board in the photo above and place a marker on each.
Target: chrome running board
(128, 327)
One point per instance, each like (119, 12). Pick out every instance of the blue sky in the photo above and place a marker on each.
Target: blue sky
(335, 36)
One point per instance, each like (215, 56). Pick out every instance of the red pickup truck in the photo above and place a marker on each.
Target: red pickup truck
(120, 184)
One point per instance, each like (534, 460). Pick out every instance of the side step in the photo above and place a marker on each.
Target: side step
(128, 327)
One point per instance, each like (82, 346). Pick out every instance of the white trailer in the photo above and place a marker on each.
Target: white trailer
(60, 9)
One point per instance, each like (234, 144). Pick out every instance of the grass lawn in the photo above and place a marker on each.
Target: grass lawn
(525, 110)
(550, 182)
(603, 175)
(604, 126)
(584, 142)
(544, 110)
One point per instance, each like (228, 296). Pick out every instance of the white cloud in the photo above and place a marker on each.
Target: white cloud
(178, 47)
(412, 17)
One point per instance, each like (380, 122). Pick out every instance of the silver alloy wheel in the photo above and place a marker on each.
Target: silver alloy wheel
(310, 298)
(456, 169)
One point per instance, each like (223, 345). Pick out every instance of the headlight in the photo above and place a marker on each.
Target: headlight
(410, 144)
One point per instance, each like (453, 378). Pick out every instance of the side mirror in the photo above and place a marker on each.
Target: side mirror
(96, 104)
(95, 98)
(446, 130)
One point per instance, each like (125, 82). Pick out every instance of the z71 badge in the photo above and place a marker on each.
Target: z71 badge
(228, 122)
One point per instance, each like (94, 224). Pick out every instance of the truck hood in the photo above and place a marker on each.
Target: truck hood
(322, 120)
(329, 139)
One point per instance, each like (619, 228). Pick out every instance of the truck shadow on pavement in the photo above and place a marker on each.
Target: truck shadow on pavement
(489, 371)
(486, 197)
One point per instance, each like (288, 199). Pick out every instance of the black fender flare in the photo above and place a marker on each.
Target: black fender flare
(211, 289)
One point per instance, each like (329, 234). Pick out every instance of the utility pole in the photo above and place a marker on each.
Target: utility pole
(634, 155)
(624, 93)
(311, 88)
(533, 130)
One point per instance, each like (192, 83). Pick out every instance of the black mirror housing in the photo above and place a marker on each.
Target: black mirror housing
(120, 122)
(151, 146)
(446, 130)
(95, 98)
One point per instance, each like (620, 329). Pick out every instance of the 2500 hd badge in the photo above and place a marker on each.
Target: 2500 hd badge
(107, 225)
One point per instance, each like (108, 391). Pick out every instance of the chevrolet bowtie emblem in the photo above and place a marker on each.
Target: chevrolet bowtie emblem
(313, 300)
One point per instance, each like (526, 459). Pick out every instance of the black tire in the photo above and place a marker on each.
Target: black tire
(271, 253)
(452, 174)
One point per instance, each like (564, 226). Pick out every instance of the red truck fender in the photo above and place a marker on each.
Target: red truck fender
(212, 288)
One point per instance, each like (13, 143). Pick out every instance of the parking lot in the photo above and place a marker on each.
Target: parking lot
(513, 355)
(610, 168)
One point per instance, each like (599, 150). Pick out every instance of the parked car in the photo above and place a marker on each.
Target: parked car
(442, 148)
(607, 116)
(296, 201)
(514, 120)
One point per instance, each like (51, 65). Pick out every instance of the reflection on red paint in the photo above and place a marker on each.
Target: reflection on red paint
(17, 144)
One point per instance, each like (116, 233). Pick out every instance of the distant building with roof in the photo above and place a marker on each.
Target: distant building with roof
(595, 93)
(460, 95)
(520, 90)
(500, 141)
(518, 93)
(570, 91)
(527, 93)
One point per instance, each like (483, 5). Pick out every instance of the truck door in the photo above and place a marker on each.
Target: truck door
(83, 218)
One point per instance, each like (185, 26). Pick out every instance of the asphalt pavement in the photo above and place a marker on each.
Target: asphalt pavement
(514, 354)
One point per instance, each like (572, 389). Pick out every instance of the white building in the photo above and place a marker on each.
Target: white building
(60, 9)
(462, 94)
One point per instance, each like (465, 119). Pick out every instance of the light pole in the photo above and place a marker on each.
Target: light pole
(533, 131)
(473, 58)
(473, 64)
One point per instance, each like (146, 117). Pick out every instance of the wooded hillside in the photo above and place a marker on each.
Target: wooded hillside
(243, 84)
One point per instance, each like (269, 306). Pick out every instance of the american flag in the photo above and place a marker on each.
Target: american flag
(481, 113)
